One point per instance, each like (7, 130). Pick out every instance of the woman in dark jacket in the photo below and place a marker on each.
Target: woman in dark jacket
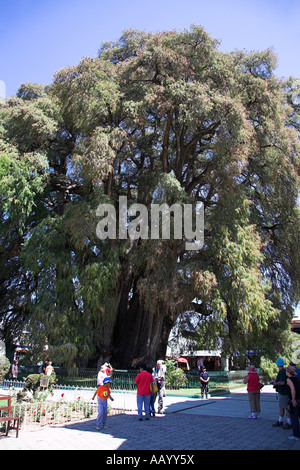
(294, 403)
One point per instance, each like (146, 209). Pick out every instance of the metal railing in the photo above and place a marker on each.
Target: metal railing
(124, 379)
(73, 402)
(64, 404)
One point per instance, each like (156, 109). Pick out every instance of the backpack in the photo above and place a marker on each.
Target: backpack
(155, 386)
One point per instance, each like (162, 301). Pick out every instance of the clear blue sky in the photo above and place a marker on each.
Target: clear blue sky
(38, 37)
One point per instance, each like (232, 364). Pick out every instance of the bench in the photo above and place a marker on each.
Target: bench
(9, 418)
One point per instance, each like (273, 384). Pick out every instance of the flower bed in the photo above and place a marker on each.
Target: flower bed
(43, 413)
(35, 414)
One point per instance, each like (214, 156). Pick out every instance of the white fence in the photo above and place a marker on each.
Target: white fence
(66, 404)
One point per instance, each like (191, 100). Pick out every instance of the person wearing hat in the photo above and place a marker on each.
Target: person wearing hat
(253, 390)
(103, 392)
(105, 371)
(294, 401)
(297, 370)
(282, 389)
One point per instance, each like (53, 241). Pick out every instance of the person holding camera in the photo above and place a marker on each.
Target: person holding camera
(282, 389)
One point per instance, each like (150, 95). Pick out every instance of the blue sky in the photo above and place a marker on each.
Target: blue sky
(38, 37)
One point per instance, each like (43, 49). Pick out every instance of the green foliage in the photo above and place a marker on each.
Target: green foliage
(159, 118)
(4, 367)
(21, 179)
(175, 377)
(269, 370)
(288, 350)
(33, 384)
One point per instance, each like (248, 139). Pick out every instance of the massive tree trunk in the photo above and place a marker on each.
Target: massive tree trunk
(144, 320)
(139, 332)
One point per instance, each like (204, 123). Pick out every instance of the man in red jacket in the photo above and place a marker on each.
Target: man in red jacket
(144, 381)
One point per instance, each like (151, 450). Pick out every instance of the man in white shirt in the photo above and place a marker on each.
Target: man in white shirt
(160, 375)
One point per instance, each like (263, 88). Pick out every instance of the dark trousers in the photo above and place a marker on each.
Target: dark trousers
(295, 415)
(204, 389)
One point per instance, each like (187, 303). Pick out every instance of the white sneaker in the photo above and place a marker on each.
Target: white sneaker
(252, 416)
(294, 438)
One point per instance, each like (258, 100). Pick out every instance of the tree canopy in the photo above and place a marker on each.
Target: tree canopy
(158, 118)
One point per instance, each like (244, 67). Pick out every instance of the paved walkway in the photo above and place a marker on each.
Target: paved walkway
(187, 424)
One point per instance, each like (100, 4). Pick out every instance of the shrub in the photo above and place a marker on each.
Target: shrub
(4, 367)
(175, 377)
(32, 382)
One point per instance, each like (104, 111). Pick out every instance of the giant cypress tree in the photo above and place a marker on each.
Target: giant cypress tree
(157, 118)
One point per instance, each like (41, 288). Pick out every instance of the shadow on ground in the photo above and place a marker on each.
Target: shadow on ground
(184, 430)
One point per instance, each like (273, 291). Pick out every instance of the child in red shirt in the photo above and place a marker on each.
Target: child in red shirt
(103, 392)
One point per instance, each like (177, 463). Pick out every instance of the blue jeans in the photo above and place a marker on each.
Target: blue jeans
(143, 399)
(152, 401)
(102, 412)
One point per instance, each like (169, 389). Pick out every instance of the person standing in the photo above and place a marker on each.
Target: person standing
(13, 372)
(153, 391)
(102, 374)
(253, 390)
(108, 370)
(297, 370)
(160, 375)
(282, 389)
(45, 364)
(144, 381)
(103, 392)
(294, 400)
(204, 380)
(49, 369)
